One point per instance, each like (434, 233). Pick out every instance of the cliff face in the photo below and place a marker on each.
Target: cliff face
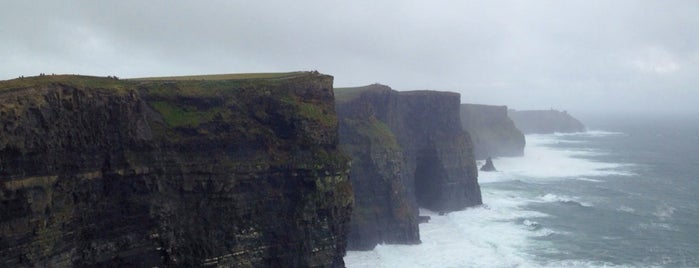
(408, 150)
(492, 131)
(98, 172)
(545, 121)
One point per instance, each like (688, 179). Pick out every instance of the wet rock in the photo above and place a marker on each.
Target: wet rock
(488, 166)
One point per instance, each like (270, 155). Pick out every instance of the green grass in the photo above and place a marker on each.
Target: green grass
(184, 116)
(224, 76)
(78, 81)
(316, 113)
(343, 94)
(379, 134)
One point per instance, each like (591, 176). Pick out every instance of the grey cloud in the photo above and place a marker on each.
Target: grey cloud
(575, 55)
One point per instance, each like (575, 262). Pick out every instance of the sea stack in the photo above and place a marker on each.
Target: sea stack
(488, 165)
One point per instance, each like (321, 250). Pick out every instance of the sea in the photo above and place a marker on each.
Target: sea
(623, 194)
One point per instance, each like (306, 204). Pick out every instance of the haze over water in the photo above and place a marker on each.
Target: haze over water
(623, 194)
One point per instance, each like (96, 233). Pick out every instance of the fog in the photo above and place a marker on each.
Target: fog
(581, 56)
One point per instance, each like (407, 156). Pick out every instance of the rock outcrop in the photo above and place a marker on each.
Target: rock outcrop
(545, 121)
(492, 131)
(488, 166)
(223, 171)
(408, 150)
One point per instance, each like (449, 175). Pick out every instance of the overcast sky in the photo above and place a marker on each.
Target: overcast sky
(574, 55)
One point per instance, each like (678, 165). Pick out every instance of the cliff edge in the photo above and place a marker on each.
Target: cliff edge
(408, 151)
(492, 131)
(229, 170)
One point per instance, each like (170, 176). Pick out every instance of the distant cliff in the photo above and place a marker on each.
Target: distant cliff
(238, 171)
(492, 131)
(408, 150)
(545, 121)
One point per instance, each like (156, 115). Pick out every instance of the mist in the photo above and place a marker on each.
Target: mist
(586, 57)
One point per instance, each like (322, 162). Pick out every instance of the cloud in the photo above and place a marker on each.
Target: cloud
(656, 60)
(575, 55)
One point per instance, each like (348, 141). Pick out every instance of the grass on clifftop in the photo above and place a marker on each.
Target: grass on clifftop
(112, 83)
(350, 93)
(225, 76)
(78, 81)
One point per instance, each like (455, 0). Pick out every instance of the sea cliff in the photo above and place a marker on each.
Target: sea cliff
(545, 121)
(408, 150)
(492, 131)
(239, 171)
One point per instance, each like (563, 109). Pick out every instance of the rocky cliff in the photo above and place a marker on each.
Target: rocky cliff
(408, 150)
(492, 131)
(545, 121)
(230, 171)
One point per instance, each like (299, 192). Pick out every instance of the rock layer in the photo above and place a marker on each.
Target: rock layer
(492, 131)
(408, 150)
(98, 172)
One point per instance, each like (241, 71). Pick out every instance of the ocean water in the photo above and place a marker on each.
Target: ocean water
(625, 194)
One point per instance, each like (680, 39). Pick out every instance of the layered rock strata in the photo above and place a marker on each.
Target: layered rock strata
(408, 151)
(175, 172)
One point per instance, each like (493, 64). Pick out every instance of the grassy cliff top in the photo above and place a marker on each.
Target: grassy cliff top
(350, 93)
(226, 76)
(80, 81)
(120, 85)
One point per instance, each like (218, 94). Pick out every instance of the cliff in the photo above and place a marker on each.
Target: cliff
(408, 151)
(545, 121)
(228, 170)
(492, 131)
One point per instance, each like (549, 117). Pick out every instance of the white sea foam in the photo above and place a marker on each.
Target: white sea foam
(664, 212)
(590, 133)
(551, 198)
(626, 209)
(493, 235)
(542, 163)
(587, 179)
(498, 234)
(502, 232)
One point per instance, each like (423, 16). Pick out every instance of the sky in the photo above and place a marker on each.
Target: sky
(581, 56)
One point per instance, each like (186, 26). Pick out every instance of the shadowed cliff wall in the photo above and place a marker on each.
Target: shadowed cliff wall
(98, 172)
(408, 150)
(493, 133)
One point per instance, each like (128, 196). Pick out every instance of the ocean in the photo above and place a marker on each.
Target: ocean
(623, 194)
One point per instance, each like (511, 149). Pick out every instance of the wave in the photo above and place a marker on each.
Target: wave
(552, 198)
(542, 162)
(589, 133)
(500, 233)
(588, 179)
(506, 230)
(664, 212)
(626, 209)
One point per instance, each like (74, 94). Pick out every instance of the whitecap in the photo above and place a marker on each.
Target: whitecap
(589, 133)
(587, 179)
(503, 231)
(552, 198)
(656, 226)
(664, 212)
(544, 163)
(626, 209)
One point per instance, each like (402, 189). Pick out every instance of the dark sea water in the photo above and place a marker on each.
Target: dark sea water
(625, 193)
